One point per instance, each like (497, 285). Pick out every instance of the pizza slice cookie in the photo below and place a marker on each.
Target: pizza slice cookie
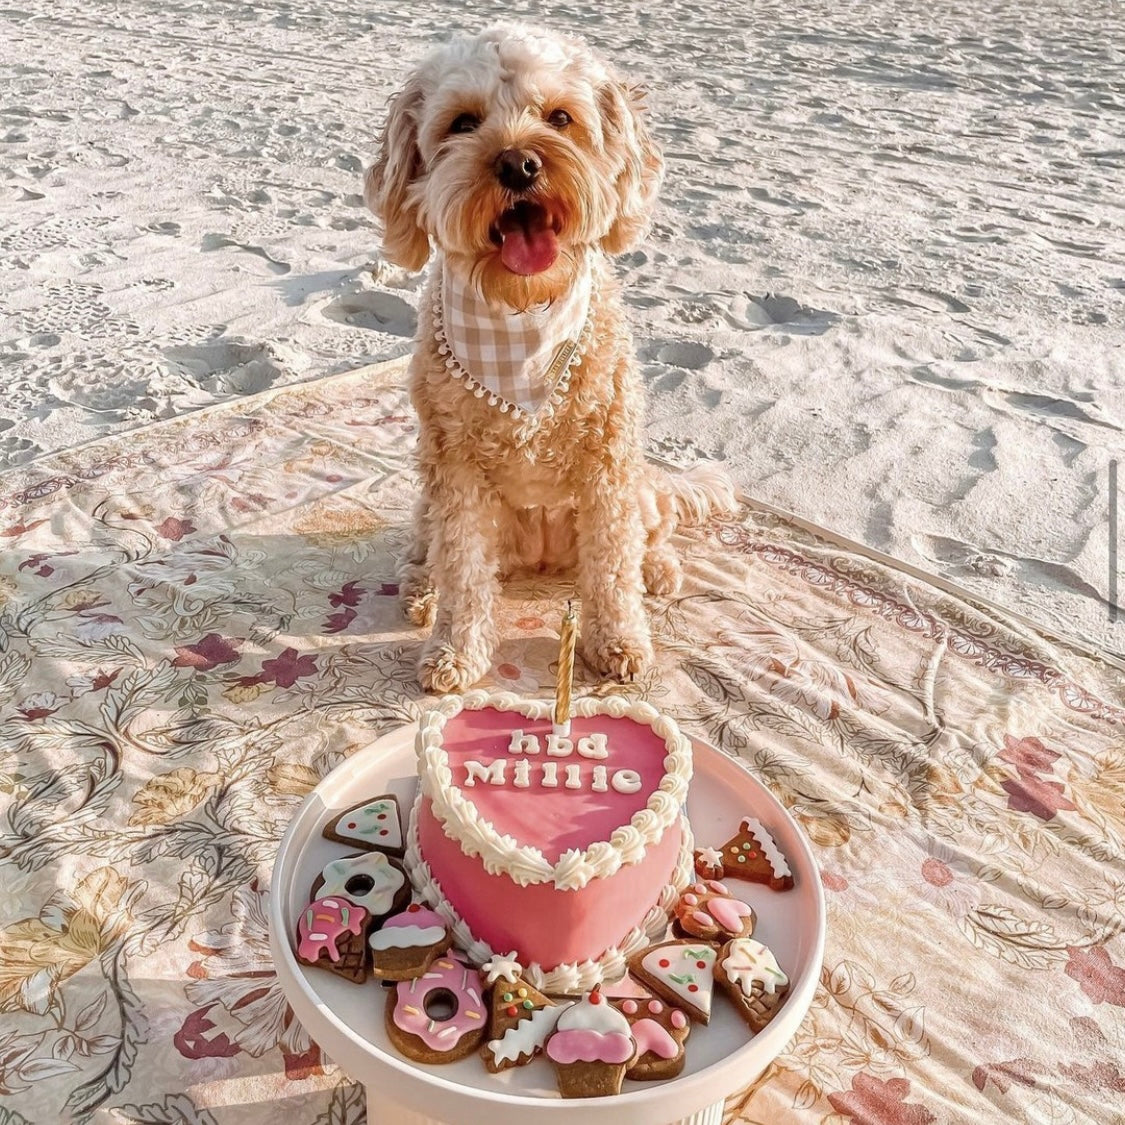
(680, 972)
(374, 825)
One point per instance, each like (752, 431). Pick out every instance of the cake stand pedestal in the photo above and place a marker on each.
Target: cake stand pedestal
(346, 1019)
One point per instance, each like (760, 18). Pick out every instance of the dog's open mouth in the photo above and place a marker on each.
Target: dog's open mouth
(528, 238)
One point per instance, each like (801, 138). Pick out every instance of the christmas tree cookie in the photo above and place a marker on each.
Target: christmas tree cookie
(522, 1018)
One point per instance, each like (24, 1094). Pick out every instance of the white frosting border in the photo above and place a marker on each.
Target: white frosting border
(522, 863)
(570, 977)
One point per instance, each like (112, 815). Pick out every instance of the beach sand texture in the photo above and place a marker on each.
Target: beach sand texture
(885, 285)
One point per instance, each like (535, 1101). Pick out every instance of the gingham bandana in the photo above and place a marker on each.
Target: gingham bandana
(518, 359)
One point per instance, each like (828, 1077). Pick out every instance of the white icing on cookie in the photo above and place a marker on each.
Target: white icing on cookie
(528, 1035)
(406, 937)
(749, 962)
(769, 847)
(387, 881)
(688, 972)
(500, 967)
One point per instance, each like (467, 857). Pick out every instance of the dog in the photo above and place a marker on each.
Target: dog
(526, 162)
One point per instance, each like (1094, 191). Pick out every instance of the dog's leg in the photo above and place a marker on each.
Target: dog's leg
(416, 591)
(611, 546)
(663, 574)
(464, 566)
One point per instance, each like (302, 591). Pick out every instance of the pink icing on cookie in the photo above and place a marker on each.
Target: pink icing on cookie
(445, 974)
(581, 1045)
(322, 925)
(651, 1036)
(629, 1007)
(729, 913)
(679, 1020)
(655, 1007)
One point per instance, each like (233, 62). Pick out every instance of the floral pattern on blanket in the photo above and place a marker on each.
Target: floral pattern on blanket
(199, 621)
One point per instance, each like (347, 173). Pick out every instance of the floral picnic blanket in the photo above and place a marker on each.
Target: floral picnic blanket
(199, 620)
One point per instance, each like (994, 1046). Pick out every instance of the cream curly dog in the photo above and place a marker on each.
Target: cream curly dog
(525, 161)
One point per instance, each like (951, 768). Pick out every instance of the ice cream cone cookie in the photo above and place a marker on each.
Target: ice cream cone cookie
(681, 972)
(374, 825)
(372, 880)
(709, 863)
(407, 942)
(522, 1018)
(591, 1048)
(331, 934)
(709, 911)
(754, 855)
(659, 1030)
(440, 1016)
(753, 979)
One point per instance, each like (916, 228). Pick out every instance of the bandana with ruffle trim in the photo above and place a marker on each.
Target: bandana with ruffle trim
(520, 360)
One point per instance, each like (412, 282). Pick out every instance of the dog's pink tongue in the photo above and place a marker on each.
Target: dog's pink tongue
(528, 246)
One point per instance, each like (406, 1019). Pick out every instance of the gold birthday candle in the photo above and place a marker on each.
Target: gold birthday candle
(568, 636)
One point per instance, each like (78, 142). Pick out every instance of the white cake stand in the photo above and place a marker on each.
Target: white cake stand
(346, 1019)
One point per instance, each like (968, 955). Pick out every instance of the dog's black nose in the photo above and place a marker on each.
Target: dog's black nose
(517, 169)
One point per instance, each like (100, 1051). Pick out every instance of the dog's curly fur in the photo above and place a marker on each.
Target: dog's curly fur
(570, 489)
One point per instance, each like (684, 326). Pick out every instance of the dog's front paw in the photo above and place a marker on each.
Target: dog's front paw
(444, 670)
(620, 657)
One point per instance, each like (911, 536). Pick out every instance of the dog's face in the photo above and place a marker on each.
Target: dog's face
(513, 152)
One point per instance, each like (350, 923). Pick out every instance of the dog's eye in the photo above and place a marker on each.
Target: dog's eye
(465, 123)
(559, 118)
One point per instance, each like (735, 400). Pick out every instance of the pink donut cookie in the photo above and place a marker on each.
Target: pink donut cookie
(440, 1016)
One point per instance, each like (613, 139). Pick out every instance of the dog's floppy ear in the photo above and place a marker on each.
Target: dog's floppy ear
(386, 187)
(642, 167)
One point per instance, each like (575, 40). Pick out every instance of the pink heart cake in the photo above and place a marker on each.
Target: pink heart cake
(570, 851)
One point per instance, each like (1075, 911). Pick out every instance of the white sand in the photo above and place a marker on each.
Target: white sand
(931, 192)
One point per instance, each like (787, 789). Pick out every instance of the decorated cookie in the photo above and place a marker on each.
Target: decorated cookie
(440, 1016)
(709, 911)
(330, 934)
(372, 880)
(753, 855)
(659, 1030)
(522, 1018)
(754, 980)
(373, 824)
(591, 1048)
(406, 943)
(681, 972)
(709, 863)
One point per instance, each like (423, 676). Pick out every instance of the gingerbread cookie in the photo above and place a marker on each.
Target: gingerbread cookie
(754, 980)
(522, 1018)
(440, 1016)
(374, 825)
(709, 911)
(709, 863)
(754, 855)
(681, 972)
(659, 1030)
(371, 880)
(330, 935)
(406, 943)
(591, 1048)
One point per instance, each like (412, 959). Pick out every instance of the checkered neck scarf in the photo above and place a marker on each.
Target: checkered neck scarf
(520, 360)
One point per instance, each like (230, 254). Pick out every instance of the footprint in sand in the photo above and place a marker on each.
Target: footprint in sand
(373, 310)
(230, 366)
